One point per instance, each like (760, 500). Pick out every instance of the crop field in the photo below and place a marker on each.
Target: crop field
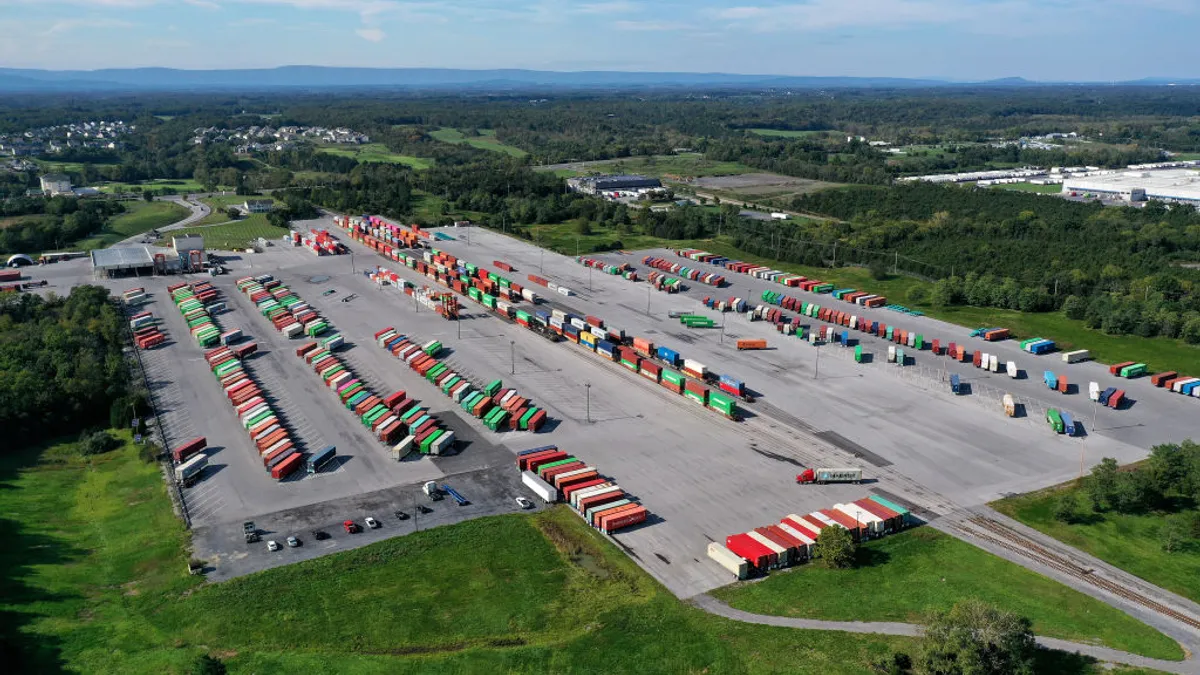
(94, 582)
(237, 234)
(377, 152)
(486, 140)
(1128, 541)
(902, 576)
(139, 218)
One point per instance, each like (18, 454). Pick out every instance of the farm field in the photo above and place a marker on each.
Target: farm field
(377, 152)
(901, 576)
(230, 235)
(486, 140)
(95, 582)
(788, 133)
(139, 218)
(1128, 541)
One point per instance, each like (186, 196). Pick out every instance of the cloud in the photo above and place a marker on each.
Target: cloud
(251, 21)
(650, 25)
(203, 4)
(370, 34)
(68, 25)
(616, 7)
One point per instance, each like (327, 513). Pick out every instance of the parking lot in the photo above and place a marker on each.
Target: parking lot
(700, 475)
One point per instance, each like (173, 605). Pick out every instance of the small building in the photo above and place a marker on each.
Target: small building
(56, 184)
(186, 244)
(258, 205)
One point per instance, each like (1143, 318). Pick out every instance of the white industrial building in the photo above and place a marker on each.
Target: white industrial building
(1170, 185)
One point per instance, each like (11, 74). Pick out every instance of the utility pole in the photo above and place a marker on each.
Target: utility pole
(588, 387)
(589, 277)
(648, 289)
(817, 365)
(512, 348)
(352, 270)
(722, 328)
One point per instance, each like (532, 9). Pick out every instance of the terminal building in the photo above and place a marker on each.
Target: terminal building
(595, 185)
(1178, 186)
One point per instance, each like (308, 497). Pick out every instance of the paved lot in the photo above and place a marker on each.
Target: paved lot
(701, 476)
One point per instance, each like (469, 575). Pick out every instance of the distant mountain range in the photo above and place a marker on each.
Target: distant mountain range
(324, 78)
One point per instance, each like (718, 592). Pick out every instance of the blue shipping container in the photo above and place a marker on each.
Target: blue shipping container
(533, 450)
(1188, 388)
(845, 338)
(1042, 347)
(1050, 379)
(954, 383)
(321, 458)
(669, 355)
(1104, 395)
(1068, 423)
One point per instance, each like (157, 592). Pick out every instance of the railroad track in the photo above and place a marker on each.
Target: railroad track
(1003, 536)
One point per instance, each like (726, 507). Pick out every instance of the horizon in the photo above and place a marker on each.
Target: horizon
(951, 40)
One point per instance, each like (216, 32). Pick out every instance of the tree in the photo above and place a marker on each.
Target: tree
(147, 195)
(878, 269)
(836, 548)
(1066, 509)
(582, 227)
(1191, 331)
(1073, 307)
(97, 443)
(233, 212)
(1102, 484)
(280, 217)
(974, 638)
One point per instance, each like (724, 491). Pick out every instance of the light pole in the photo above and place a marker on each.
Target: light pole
(588, 400)
(722, 340)
(512, 348)
(648, 289)
(352, 270)
(817, 364)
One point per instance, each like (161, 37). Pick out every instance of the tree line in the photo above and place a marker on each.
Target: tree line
(62, 365)
(61, 222)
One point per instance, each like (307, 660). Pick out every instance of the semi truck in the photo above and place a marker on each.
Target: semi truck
(822, 476)
(189, 472)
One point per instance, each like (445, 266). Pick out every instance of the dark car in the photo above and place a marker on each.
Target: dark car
(424, 509)
(320, 535)
(400, 515)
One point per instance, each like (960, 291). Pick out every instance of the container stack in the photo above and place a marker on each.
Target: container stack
(191, 299)
(320, 242)
(396, 420)
(555, 475)
(272, 441)
(135, 296)
(282, 307)
(665, 283)
(615, 270)
(497, 407)
(1037, 345)
(792, 540)
(689, 273)
(146, 331)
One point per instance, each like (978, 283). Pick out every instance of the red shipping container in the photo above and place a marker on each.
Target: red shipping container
(523, 460)
(856, 528)
(562, 483)
(1115, 369)
(590, 501)
(1159, 379)
(270, 439)
(759, 556)
(287, 466)
(1116, 399)
(185, 450)
(803, 527)
(538, 419)
(977, 358)
(576, 487)
(599, 517)
(393, 399)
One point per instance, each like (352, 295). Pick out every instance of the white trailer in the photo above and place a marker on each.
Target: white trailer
(1076, 356)
(729, 560)
(1012, 369)
(188, 473)
(541, 488)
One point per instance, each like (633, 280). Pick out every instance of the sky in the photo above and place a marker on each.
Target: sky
(1049, 40)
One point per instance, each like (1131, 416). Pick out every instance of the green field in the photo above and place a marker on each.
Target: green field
(237, 234)
(66, 167)
(1159, 353)
(139, 218)
(93, 577)
(377, 152)
(686, 164)
(179, 186)
(486, 140)
(903, 575)
(31, 218)
(787, 133)
(219, 203)
(1127, 541)
(1030, 187)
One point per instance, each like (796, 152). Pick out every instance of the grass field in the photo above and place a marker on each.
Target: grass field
(1130, 542)
(237, 234)
(685, 164)
(93, 580)
(903, 575)
(219, 203)
(139, 218)
(31, 218)
(377, 152)
(1159, 353)
(179, 186)
(787, 133)
(66, 167)
(1030, 187)
(486, 140)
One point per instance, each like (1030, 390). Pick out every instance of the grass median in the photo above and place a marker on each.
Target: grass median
(903, 575)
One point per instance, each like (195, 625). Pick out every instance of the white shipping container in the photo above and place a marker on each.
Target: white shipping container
(1012, 369)
(873, 522)
(592, 491)
(809, 542)
(732, 562)
(402, 448)
(1076, 356)
(984, 360)
(443, 443)
(695, 366)
(293, 330)
(785, 557)
(994, 364)
(552, 286)
(1094, 391)
(563, 290)
(891, 353)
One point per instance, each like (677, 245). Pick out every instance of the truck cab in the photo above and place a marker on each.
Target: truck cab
(430, 488)
(250, 531)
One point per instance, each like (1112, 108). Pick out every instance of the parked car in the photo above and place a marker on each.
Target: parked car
(293, 542)
(350, 526)
(400, 515)
(272, 545)
(424, 509)
(524, 503)
(372, 523)
(320, 535)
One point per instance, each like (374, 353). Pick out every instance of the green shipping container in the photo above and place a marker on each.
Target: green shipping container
(431, 440)
(890, 330)
(492, 388)
(412, 414)
(523, 424)
(698, 398)
(374, 414)
(672, 377)
(858, 354)
(1136, 370)
(721, 403)
(919, 342)
(1055, 420)
(358, 397)
(258, 418)
(450, 383)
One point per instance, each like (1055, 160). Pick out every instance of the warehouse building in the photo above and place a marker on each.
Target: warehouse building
(1179, 186)
(624, 183)
(122, 261)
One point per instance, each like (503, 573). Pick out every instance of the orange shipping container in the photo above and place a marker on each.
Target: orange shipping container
(751, 344)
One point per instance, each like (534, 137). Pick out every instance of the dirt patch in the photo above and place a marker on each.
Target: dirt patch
(130, 589)
(761, 183)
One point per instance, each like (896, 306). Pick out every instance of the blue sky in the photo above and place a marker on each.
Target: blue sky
(958, 39)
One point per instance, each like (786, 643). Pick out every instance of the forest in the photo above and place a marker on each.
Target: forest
(62, 369)
(61, 222)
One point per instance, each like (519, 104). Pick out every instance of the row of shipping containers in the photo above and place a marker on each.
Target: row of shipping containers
(319, 242)
(664, 283)
(623, 270)
(499, 408)
(689, 273)
(282, 307)
(195, 302)
(397, 420)
(555, 475)
(1174, 382)
(146, 330)
(793, 539)
(271, 439)
(777, 276)
(377, 233)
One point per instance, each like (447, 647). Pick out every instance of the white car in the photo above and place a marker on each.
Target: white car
(524, 503)
(272, 545)
(293, 542)
(371, 522)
